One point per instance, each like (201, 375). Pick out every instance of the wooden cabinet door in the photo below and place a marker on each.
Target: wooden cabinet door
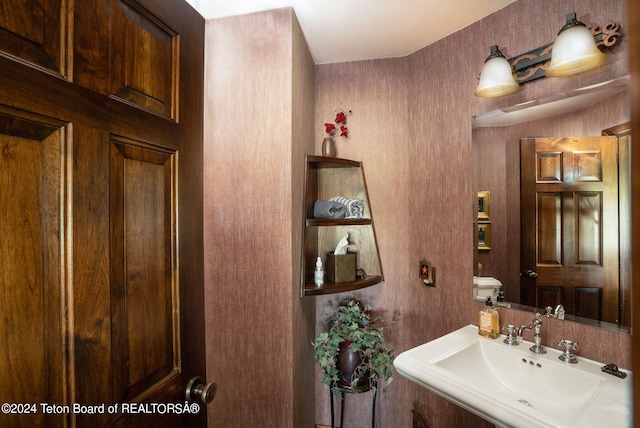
(100, 213)
(569, 191)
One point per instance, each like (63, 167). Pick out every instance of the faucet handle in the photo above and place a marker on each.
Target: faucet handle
(569, 345)
(512, 332)
(510, 329)
(567, 354)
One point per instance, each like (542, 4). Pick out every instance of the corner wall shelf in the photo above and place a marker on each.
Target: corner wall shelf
(325, 178)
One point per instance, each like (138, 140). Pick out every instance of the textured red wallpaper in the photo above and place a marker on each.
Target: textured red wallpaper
(411, 128)
(265, 104)
(259, 107)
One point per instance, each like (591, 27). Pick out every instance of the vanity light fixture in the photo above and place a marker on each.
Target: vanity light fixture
(496, 77)
(569, 57)
(574, 50)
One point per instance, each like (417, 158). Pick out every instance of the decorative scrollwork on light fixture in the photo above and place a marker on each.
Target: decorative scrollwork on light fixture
(535, 64)
(608, 35)
(531, 65)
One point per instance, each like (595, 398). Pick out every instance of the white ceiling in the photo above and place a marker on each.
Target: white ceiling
(350, 30)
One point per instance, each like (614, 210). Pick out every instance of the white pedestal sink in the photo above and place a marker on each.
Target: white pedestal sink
(513, 387)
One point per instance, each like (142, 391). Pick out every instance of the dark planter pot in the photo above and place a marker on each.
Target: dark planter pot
(346, 362)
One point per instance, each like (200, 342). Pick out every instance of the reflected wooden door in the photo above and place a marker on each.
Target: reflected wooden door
(570, 248)
(101, 201)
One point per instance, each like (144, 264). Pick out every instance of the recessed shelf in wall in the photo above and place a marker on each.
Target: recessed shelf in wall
(326, 178)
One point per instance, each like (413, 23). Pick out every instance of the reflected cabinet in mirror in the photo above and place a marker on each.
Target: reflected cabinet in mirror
(558, 174)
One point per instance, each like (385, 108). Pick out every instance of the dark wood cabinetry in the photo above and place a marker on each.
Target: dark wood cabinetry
(101, 118)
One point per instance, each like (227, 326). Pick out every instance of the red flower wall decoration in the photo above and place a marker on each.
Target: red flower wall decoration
(341, 119)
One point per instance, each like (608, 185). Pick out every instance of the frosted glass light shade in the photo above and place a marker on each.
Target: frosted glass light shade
(496, 77)
(574, 52)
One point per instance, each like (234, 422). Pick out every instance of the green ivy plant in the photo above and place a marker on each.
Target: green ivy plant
(353, 322)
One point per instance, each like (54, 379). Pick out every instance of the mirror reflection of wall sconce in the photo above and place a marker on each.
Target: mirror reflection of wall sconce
(575, 50)
(427, 273)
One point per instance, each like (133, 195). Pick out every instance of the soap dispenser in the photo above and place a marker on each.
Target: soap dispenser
(318, 276)
(489, 321)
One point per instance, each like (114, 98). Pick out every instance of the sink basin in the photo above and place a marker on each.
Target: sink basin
(513, 387)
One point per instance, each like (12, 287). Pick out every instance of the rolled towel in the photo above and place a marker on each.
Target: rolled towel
(355, 208)
(329, 209)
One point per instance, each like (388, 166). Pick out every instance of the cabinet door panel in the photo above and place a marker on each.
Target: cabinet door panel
(98, 307)
(33, 280)
(32, 31)
(124, 51)
(144, 287)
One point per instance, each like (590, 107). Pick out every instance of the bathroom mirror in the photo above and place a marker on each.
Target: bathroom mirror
(593, 111)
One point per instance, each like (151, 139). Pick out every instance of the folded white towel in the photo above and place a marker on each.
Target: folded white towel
(355, 208)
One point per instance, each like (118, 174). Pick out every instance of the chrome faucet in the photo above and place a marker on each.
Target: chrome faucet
(537, 347)
(558, 313)
(515, 335)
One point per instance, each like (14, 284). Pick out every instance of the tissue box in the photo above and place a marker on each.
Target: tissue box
(341, 268)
